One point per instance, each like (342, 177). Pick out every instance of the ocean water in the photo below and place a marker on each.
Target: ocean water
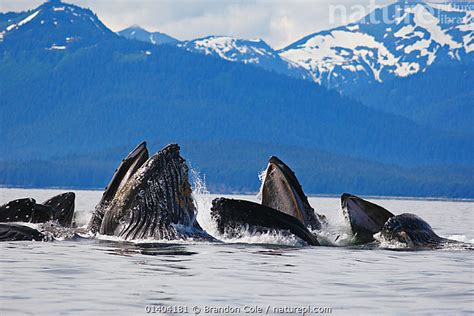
(253, 275)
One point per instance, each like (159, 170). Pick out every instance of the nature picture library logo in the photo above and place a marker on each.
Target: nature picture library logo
(381, 12)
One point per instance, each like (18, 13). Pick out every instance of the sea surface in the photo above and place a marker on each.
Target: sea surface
(255, 275)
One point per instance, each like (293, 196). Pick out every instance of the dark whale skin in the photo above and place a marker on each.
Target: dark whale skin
(16, 232)
(155, 202)
(232, 215)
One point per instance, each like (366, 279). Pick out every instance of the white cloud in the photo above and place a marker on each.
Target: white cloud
(279, 22)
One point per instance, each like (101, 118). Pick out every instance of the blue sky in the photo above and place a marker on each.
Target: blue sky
(278, 22)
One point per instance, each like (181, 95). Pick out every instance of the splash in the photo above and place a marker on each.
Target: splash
(188, 241)
(244, 236)
(203, 201)
(82, 217)
(389, 244)
(261, 176)
(337, 231)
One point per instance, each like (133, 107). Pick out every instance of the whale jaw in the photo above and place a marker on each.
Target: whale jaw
(128, 167)
(365, 218)
(282, 191)
(233, 216)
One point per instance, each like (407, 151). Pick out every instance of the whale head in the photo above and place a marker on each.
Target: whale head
(153, 201)
(365, 218)
(410, 230)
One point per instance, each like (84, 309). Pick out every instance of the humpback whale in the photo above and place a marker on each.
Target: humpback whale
(284, 207)
(25, 210)
(233, 215)
(59, 209)
(364, 217)
(16, 232)
(149, 198)
(367, 219)
(282, 191)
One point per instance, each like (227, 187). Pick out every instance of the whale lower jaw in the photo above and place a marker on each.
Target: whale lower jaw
(282, 191)
(232, 216)
(364, 217)
(129, 165)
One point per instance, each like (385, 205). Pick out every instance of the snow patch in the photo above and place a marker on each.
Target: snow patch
(353, 27)
(421, 45)
(231, 49)
(424, 19)
(29, 18)
(23, 22)
(404, 31)
(57, 47)
(320, 54)
(406, 69)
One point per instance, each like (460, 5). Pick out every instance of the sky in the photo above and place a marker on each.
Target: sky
(278, 22)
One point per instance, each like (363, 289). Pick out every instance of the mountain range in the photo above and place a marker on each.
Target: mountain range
(76, 96)
(410, 45)
(407, 38)
(135, 32)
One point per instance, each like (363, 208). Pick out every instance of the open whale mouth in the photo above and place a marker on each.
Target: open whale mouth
(130, 164)
(149, 198)
(365, 218)
(128, 167)
(282, 191)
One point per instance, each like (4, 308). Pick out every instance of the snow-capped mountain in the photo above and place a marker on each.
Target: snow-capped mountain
(409, 39)
(137, 33)
(53, 26)
(253, 51)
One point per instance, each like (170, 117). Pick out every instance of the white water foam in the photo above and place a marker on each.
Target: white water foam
(389, 244)
(461, 238)
(274, 237)
(203, 200)
(187, 241)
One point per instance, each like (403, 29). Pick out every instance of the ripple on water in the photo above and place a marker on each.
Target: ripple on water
(117, 277)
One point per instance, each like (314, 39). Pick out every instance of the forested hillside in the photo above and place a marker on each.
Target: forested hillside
(71, 110)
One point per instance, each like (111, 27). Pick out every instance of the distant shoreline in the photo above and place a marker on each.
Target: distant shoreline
(375, 197)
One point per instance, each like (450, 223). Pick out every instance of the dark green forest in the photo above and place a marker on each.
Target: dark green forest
(69, 116)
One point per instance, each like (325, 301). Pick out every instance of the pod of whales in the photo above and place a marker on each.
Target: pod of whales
(151, 198)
